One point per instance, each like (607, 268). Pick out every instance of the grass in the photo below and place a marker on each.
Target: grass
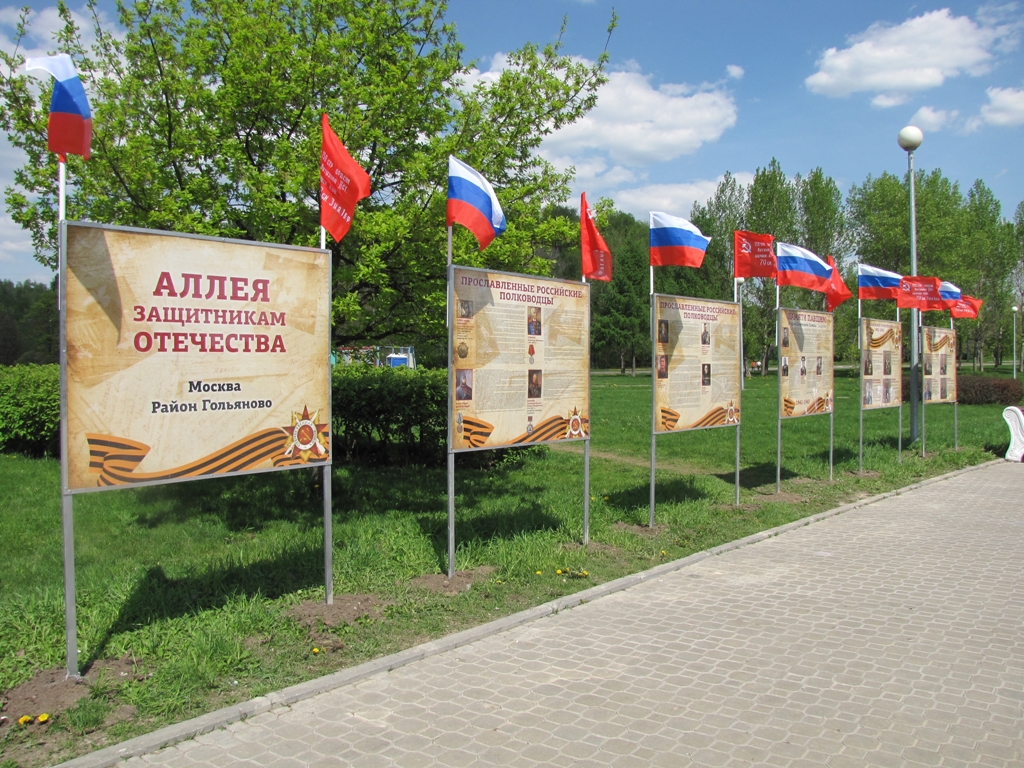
(193, 581)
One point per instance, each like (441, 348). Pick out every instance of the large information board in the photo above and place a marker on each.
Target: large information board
(520, 353)
(697, 365)
(192, 356)
(938, 364)
(805, 363)
(881, 363)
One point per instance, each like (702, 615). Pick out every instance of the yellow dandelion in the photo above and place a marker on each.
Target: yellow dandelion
(539, 573)
(42, 718)
(559, 571)
(25, 719)
(586, 573)
(663, 553)
(607, 497)
(316, 650)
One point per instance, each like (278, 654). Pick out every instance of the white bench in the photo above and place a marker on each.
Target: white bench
(1015, 419)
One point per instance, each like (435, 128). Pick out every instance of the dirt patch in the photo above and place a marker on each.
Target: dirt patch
(802, 480)
(346, 609)
(463, 580)
(865, 473)
(52, 692)
(642, 530)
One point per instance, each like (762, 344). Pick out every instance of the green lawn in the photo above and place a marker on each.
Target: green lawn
(193, 580)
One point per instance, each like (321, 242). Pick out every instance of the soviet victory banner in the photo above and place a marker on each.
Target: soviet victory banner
(520, 359)
(192, 356)
(697, 364)
(805, 363)
(881, 363)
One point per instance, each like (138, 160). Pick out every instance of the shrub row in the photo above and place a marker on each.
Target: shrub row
(981, 390)
(389, 414)
(30, 409)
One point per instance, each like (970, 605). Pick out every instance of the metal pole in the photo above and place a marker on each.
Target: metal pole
(654, 398)
(586, 492)
(1014, 342)
(921, 345)
(914, 313)
(328, 538)
(778, 409)
(899, 432)
(737, 465)
(451, 454)
(743, 358)
(860, 343)
(70, 612)
(832, 441)
(956, 351)
(67, 504)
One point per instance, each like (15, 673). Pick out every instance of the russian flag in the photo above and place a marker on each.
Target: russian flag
(70, 126)
(676, 242)
(800, 267)
(472, 203)
(875, 283)
(950, 294)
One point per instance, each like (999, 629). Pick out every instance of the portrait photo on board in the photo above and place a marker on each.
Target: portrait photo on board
(465, 309)
(663, 331)
(705, 335)
(887, 363)
(785, 336)
(705, 374)
(817, 367)
(464, 384)
(785, 366)
(868, 400)
(942, 365)
(886, 390)
(533, 387)
(869, 365)
(533, 325)
(803, 365)
(662, 366)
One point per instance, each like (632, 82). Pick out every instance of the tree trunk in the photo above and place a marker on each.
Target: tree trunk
(622, 362)
(634, 364)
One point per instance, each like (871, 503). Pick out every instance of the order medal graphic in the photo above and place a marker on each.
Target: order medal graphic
(304, 435)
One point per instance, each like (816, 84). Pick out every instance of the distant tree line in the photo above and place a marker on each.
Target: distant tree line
(29, 324)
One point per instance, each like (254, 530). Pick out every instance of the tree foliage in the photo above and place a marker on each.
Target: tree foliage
(206, 119)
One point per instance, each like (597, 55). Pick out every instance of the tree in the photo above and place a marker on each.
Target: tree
(771, 209)
(206, 120)
(620, 309)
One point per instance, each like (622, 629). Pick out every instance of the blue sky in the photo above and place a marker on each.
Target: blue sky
(698, 89)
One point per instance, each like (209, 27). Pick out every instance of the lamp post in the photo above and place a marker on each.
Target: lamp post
(1015, 311)
(737, 293)
(909, 139)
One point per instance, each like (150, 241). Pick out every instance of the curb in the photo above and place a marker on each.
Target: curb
(173, 734)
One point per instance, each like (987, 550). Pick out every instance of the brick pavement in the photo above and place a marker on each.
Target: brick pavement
(892, 635)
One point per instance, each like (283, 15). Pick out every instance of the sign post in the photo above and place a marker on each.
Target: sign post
(806, 385)
(519, 368)
(170, 373)
(697, 369)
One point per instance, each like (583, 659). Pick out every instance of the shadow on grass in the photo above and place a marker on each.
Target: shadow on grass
(156, 596)
(633, 504)
(248, 502)
(757, 475)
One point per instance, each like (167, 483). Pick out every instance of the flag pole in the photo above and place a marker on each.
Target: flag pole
(451, 455)
(328, 501)
(586, 462)
(653, 396)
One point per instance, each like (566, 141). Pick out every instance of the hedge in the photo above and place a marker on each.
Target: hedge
(30, 409)
(389, 414)
(981, 390)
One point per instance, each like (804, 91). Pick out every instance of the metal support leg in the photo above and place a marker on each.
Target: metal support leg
(451, 515)
(586, 492)
(328, 537)
(737, 465)
(70, 611)
(832, 442)
(654, 457)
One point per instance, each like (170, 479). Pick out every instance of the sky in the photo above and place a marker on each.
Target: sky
(699, 89)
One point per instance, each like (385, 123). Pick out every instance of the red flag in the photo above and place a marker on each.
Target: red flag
(966, 307)
(753, 255)
(597, 259)
(837, 291)
(920, 293)
(343, 183)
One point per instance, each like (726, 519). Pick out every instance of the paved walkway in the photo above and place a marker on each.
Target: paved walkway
(891, 635)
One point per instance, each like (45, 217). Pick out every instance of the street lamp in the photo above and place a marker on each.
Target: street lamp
(1015, 311)
(909, 139)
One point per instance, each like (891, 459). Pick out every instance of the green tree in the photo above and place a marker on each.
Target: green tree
(771, 209)
(206, 119)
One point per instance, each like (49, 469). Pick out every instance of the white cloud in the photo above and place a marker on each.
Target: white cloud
(638, 124)
(43, 26)
(921, 53)
(1005, 107)
(675, 199)
(734, 71)
(929, 119)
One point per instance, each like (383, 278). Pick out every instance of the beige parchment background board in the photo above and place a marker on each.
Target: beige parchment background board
(881, 363)
(697, 363)
(805, 362)
(521, 359)
(939, 364)
(189, 357)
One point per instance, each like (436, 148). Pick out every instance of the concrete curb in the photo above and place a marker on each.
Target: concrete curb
(172, 734)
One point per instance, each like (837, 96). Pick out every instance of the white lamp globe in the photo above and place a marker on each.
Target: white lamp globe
(910, 138)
